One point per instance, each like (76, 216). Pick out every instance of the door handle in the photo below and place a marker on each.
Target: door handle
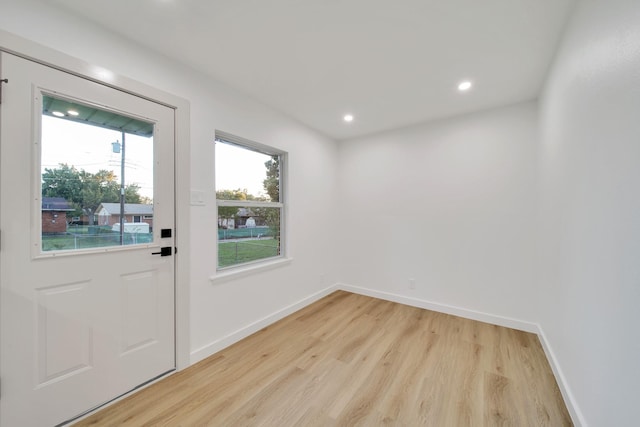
(165, 251)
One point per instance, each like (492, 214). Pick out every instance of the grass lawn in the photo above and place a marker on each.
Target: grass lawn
(238, 252)
(229, 253)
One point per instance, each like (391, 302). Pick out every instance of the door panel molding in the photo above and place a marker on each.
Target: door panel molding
(61, 356)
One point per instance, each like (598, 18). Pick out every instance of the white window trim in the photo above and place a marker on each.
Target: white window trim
(239, 270)
(243, 203)
(243, 270)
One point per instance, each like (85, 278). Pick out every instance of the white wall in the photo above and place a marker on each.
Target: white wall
(590, 210)
(219, 309)
(450, 204)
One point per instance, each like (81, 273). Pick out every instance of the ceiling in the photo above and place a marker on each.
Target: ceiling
(91, 115)
(389, 63)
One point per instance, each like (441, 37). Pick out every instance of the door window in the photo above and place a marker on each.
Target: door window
(96, 170)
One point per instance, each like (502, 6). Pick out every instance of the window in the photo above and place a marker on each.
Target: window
(250, 201)
(86, 181)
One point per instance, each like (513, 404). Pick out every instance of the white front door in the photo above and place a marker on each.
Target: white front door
(86, 307)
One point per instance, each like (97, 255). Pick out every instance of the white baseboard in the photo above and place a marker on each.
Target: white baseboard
(444, 308)
(572, 407)
(569, 400)
(226, 341)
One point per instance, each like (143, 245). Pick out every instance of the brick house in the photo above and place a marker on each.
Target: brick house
(54, 215)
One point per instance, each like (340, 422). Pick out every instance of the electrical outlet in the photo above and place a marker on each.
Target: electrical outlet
(412, 283)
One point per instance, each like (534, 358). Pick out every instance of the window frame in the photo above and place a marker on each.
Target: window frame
(282, 204)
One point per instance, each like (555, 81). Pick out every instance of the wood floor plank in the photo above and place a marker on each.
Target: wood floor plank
(350, 360)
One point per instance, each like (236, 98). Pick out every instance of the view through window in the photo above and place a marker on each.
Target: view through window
(96, 177)
(249, 200)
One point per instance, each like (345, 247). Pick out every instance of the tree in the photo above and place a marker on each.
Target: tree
(271, 183)
(85, 190)
(65, 182)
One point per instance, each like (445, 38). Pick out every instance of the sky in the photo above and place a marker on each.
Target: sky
(239, 168)
(90, 148)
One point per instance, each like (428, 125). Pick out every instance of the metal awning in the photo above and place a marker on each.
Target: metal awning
(81, 113)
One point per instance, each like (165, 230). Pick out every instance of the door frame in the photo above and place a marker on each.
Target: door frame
(35, 52)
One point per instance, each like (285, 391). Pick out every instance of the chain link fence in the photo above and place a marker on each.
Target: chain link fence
(87, 238)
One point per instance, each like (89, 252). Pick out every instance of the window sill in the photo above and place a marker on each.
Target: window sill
(236, 273)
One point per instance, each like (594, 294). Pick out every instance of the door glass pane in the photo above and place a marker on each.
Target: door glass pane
(96, 167)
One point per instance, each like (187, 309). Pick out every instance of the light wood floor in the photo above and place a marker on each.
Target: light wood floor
(350, 360)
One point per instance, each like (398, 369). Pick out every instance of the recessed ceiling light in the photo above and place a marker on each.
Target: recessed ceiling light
(348, 118)
(464, 86)
(73, 112)
(57, 113)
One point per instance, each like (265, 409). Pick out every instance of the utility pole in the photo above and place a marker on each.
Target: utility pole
(122, 192)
